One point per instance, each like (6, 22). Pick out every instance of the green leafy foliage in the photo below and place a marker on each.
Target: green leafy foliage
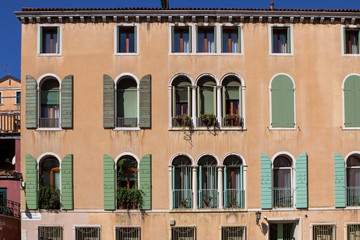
(48, 197)
(130, 198)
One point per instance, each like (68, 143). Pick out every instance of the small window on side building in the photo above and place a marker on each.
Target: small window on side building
(352, 36)
(18, 96)
(280, 40)
(49, 40)
(181, 39)
(126, 39)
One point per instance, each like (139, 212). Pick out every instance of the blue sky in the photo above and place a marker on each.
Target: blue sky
(10, 27)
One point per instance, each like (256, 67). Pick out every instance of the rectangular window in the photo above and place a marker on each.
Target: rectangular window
(230, 38)
(183, 233)
(283, 231)
(232, 233)
(280, 40)
(87, 233)
(206, 39)
(126, 39)
(181, 39)
(1, 102)
(17, 99)
(351, 40)
(353, 232)
(3, 197)
(324, 232)
(50, 233)
(49, 39)
(127, 233)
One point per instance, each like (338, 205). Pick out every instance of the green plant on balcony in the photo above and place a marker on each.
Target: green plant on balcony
(234, 203)
(48, 197)
(184, 203)
(207, 200)
(232, 120)
(130, 198)
(183, 120)
(209, 120)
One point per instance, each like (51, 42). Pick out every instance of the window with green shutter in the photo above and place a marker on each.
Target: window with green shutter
(353, 181)
(108, 102)
(301, 181)
(31, 102)
(31, 178)
(282, 102)
(182, 182)
(127, 107)
(49, 183)
(232, 102)
(67, 192)
(181, 39)
(340, 181)
(207, 182)
(206, 39)
(352, 101)
(67, 102)
(109, 182)
(49, 103)
(145, 102)
(230, 39)
(351, 40)
(145, 181)
(266, 182)
(234, 193)
(281, 39)
(206, 101)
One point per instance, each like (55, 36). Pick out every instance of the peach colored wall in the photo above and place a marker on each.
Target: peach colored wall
(8, 104)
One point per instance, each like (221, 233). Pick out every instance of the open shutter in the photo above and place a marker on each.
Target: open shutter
(31, 182)
(301, 181)
(352, 98)
(239, 39)
(58, 40)
(223, 101)
(198, 101)
(240, 102)
(172, 39)
(197, 38)
(145, 102)
(190, 40)
(221, 39)
(215, 103)
(109, 183)
(31, 102)
(118, 39)
(173, 89)
(225, 188)
(41, 40)
(272, 40)
(200, 184)
(215, 38)
(173, 188)
(189, 101)
(109, 102)
(288, 39)
(266, 182)
(67, 194)
(145, 180)
(67, 102)
(340, 183)
(135, 39)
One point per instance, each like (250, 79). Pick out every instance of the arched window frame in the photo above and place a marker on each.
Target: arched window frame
(40, 82)
(116, 82)
(290, 157)
(349, 203)
(270, 104)
(116, 165)
(343, 102)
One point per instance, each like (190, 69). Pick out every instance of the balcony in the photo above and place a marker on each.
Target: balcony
(207, 120)
(353, 196)
(233, 121)
(181, 121)
(49, 122)
(234, 198)
(10, 208)
(9, 123)
(182, 198)
(208, 198)
(283, 197)
(126, 122)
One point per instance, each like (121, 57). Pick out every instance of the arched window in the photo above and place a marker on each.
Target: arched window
(127, 107)
(352, 101)
(353, 180)
(49, 184)
(49, 103)
(282, 102)
(282, 184)
(181, 101)
(234, 194)
(231, 102)
(128, 194)
(206, 101)
(208, 182)
(182, 182)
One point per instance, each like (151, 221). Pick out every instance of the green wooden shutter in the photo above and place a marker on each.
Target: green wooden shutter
(67, 102)
(301, 181)
(352, 101)
(272, 40)
(239, 39)
(288, 39)
(109, 183)
(67, 193)
(135, 39)
(41, 40)
(31, 102)
(31, 182)
(145, 180)
(58, 40)
(221, 39)
(215, 47)
(145, 101)
(197, 38)
(172, 39)
(109, 102)
(190, 40)
(266, 182)
(344, 38)
(118, 39)
(340, 180)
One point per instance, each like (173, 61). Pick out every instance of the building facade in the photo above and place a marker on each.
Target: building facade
(228, 124)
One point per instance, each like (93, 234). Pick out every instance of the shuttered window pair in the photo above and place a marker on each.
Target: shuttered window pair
(127, 100)
(301, 188)
(282, 102)
(352, 101)
(32, 182)
(144, 175)
(49, 102)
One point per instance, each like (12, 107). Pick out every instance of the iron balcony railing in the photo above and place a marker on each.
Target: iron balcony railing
(208, 198)
(283, 197)
(126, 122)
(234, 198)
(353, 196)
(10, 208)
(9, 122)
(49, 122)
(206, 122)
(232, 121)
(182, 198)
(181, 121)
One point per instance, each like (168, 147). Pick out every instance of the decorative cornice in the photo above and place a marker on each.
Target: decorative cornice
(189, 15)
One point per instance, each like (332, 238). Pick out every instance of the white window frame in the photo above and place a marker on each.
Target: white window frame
(192, 26)
(216, 40)
(343, 101)
(346, 176)
(317, 224)
(136, 53)
(39, 40)
(342, 35)
(271, 26)
(241, 39)
(16, 92)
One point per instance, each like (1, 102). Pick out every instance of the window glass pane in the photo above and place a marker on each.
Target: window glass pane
(352, 41)
(126, 39)
(49, 40)
(280, 40)
(282, 178)
(177, 41)
(201, 46)
(56, 180)
(234, 42)
(18, 95)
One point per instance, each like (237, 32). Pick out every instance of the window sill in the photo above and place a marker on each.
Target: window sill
(126, 54)
(351, 55)
(206, 54)
(192, 210)
(49, 54)
(48, 129)
(283, 209)
(207, 128)
(281, 129)
(126, 129)
(350, 128)
(281, 54)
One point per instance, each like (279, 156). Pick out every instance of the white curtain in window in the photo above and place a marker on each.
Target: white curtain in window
(354, 44)
(56, 180)
(56, 112)
(234, 43)
(186, 42)
(282, 43)
(210, 42)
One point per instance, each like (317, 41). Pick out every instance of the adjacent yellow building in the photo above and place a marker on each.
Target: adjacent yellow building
(215, 123)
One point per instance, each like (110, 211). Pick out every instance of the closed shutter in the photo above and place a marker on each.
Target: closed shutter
(301, 181)
(109, 183)
(67, 102)
(266, 182)
(352, 101)
(67, 193)
(109, 102)
(145, 180)
(31, 102)
(340, 184)
(31, 182)
(145, 102)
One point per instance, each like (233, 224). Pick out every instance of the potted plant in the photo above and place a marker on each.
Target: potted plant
(48, 197)
(208, 119)
(207, 201)
(232, 120)
(183, 203)
(130, 198)
(183, 120)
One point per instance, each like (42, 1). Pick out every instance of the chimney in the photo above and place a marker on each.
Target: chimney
(272, 5)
